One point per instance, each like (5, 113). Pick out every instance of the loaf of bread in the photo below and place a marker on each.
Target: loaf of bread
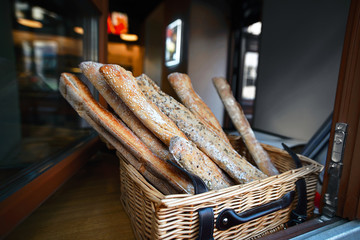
(91, 71)
(124, 84)
(112, 143)
(181, 83)
(163, 186)
(80, 98)
(206, 140)
(188, 156)
(239, 120)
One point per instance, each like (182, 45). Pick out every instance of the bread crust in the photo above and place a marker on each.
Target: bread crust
(79, 96)
(163, 186)
(239, 120)
(188, 156)
(206, 140)
(91, 71)
(125, 85)
(182, 85)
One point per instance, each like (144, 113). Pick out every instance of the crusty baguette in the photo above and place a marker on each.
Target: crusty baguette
(163, 186)
(91, 71)
(112, 143)
(79, 96)
(124, 84)
(181, 83)
(206, 140)
(239, 120)
(188, 156)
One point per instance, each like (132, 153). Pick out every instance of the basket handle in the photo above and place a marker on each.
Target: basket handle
(206, 215)
(299, 214)
(229, 218)
(198, 183)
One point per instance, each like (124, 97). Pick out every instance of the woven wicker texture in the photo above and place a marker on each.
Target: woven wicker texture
(156, 216)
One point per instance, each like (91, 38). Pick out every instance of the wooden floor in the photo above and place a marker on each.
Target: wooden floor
(87, 207)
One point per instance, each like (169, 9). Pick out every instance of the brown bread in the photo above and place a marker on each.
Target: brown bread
(91, 71)
(163, 186)
(124, 84)
(181, 83)
(239, 120)
(79, 96)
(206, 140)
(188, 156)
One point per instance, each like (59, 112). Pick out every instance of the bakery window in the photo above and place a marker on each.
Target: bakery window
(244, 54)
(41, 39)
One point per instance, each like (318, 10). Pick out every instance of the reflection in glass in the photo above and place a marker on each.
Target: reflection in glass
(173, 43)
(249, 64)
(38, 123)
(250, 74)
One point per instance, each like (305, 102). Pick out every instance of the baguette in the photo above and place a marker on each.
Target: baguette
(181, 83)
(238, 118)
(79, 96)
(91, 71)
(163, 186)
(188, 156)
(124, 84)
(206, 140)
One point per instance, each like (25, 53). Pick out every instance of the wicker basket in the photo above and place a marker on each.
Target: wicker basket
(156, 216)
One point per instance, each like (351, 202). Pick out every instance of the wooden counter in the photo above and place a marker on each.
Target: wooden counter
(86, 207)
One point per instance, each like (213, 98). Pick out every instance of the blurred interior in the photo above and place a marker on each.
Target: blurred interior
(43, 40)
(284, 73)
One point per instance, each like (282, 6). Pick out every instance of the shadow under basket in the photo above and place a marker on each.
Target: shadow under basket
(157, 216)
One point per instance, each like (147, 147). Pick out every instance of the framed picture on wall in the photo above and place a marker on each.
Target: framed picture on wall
(173, 43)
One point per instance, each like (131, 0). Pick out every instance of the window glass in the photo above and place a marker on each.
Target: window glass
(42, 39)
(250, 74)
(249, 65)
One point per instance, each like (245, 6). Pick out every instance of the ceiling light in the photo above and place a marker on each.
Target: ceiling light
(37, 13)
(30, 23)
(129, 37)
(79, 30)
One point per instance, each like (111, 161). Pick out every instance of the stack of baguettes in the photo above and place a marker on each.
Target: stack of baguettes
(151, 129)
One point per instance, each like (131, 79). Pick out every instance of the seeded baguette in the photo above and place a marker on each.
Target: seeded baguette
(239, 120)
(185, 152)
(125, 86)
(205, 139)
(91, 71)
(181, 83)
(80, 98)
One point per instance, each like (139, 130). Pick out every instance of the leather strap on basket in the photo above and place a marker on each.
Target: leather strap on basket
(299, 214)
(206, 215)
(228, 218)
